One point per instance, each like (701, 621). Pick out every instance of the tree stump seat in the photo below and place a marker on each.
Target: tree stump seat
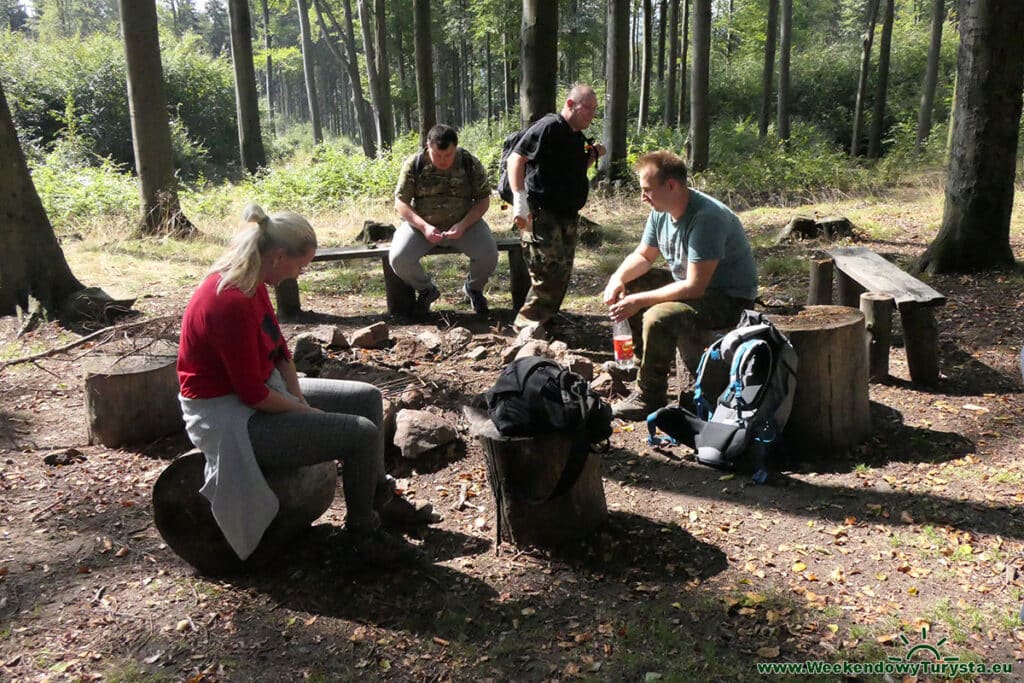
(859, 270)
(183, 517)
(522, 471)
(400, 296)
(830, 407)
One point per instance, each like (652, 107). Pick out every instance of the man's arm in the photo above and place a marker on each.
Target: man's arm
(516, 166)
(698, 277)
(633, 266)
(410, 216)
(475, 213)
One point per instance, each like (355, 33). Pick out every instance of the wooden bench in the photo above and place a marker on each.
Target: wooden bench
(400, 296)
(859, 270)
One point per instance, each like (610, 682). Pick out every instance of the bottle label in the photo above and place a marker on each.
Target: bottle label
(623, 347)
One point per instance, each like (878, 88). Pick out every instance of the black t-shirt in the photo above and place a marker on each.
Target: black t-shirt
(556, 170)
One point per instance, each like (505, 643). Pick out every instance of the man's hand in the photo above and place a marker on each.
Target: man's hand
(613, 291)
(432, 234)
(625, 308)
(455, 232)
(521, 215)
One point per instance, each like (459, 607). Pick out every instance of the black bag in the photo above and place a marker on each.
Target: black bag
(509, 144)
(534, 396)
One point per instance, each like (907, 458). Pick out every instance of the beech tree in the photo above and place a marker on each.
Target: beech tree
(151, 129)
(975, 232)
(539, 58)
(785, 47)
(931, 76)
(250, 138)
(645, 68)
(768, 74)
(307, 70)
(882, 84)
(700, 117)
(32, 263)
(617, 99)
(862, 81)
(424, 68)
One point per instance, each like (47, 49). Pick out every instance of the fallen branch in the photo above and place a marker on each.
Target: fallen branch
(113, 329)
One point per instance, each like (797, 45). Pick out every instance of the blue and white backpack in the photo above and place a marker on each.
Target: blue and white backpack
(743, 396)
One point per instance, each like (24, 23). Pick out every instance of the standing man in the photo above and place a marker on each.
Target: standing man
(711, 279)
(442, 195)
(547, 173)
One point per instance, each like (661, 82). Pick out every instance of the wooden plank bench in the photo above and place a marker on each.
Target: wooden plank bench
(400, 296)
(859, 270)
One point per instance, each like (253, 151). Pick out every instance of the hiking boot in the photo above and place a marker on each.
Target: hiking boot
(400, 512)
(424, 298)
(476, 299)
(636, 407)
(385, 550)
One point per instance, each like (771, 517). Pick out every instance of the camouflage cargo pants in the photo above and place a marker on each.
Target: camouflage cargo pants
(549, 248)
(659, 330)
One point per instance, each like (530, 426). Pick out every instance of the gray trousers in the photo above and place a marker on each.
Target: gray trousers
(408, 247)
(349, 430)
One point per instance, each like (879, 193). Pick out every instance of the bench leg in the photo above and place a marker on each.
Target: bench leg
(921, 338)
(287, 295)
(519, 277)
(401, 297)
(848, 290)
(820, 289)
(877, 309)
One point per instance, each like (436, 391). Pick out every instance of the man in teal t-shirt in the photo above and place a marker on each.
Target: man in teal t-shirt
(711, 278)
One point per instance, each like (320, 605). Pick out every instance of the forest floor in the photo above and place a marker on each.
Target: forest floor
(914, 538)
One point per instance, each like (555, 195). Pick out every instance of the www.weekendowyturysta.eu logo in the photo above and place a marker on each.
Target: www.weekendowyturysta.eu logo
(923, 650)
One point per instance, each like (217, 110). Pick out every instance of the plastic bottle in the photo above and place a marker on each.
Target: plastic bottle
(622, 342)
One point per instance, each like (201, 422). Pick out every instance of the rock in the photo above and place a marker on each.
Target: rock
(608, 386)
(531, 332)
(536, 347)
(413, 397)
(509, 354)
(458, 337)
(338, 340)
(580, 365)
(477, 353)
(418, 431)
(307, 352)
(558, 347)
(431, 341)
(373, 337)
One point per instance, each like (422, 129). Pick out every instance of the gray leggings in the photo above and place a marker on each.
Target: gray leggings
(349, 430)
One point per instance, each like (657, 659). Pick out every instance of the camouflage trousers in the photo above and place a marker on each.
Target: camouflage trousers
(659, 330)
(549, 248)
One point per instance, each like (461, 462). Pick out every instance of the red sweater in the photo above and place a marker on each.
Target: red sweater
(230, 343)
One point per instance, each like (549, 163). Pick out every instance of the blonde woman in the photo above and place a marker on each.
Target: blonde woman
(246, 408)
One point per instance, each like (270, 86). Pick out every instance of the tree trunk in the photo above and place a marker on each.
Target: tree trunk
(684, 45)
(700, 120)
(402, 82)
(975, 233)
(424, 67)
(645, 69)
(768, 75)
(489, 84)
(882, 86)
(247, 108)
(151, 129)
(662, 25)
(673, 51)
(31, 262)
(539, 59)
(931, 75)
(387, 116)
(367, 135)
(785, 46)
(613, 162)
(307, 69)
(862, 82)
(270, 64)
(373, 79)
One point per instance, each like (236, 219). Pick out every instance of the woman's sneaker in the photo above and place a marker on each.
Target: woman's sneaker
(386, 550)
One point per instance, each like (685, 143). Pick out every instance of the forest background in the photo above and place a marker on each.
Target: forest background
(63, 69)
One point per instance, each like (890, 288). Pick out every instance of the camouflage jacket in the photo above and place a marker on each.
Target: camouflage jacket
(442, 198)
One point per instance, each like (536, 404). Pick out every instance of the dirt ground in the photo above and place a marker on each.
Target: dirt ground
(914, 538)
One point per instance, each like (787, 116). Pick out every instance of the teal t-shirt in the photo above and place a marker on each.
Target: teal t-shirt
(707, 231)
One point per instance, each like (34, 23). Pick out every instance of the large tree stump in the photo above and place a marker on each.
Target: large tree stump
(184, 519)
(523, 468)
(132, 398)
(830, 409)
